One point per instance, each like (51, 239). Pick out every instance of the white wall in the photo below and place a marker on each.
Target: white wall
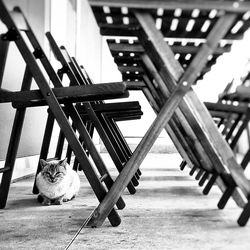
(229, 66)
(73, 25)
(34, 122)
(33, 128)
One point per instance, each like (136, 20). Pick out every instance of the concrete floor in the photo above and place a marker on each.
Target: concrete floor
(167, 212)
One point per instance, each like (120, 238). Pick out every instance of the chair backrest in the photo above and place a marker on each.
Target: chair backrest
(231, 120)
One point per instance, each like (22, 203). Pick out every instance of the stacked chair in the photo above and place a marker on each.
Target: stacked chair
(232, 118)
(69, 106)
(99, 114)
(170, 46)
(232, 121)
(239, 98)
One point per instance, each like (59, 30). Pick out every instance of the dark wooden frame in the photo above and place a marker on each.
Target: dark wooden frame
(15, 33)
(209, 150)
(70, 68)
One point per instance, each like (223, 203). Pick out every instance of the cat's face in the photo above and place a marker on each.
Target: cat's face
(53, 171)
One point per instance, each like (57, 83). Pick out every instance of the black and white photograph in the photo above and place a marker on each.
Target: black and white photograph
(124, 124)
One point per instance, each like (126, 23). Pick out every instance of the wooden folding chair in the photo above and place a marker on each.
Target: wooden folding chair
(232, 121)
(136, 67)
(128, 55)
(89, 115)
(240, 98)
(115, 112)
(179, 110)
(59, 100)
(104, 118)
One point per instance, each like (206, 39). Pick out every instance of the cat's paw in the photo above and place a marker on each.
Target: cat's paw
(58, 202)
(66, 199)
(46, 203)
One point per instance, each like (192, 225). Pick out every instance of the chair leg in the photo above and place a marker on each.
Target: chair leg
(192, 171)
(244, 217)
(199, 174)
(183, 165)
(210, 183)
(114, 135)
(45, 145)
(203, 179)
(11, 156)
(246, 159)
(13, 144)
(60, 144)
(84, 136)
(116, 153)
(123, 143)
(225, 197)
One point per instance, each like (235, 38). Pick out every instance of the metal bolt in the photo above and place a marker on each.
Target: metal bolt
(236, 5)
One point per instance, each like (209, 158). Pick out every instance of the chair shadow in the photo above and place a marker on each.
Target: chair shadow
(23, 203)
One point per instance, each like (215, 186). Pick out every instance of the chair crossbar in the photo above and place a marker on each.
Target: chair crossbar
(191, 127)
(67, 94)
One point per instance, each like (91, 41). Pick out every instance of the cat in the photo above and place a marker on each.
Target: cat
(57, 182)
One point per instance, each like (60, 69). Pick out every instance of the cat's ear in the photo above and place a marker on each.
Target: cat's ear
(43, 163)
(63, 162)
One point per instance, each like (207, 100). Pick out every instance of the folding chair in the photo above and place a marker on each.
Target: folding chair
(240, 98)
(107, 118)
(22, 35)
(186, 119)
(115, 111)
(232, 121)
(128, 55)
(89, 114)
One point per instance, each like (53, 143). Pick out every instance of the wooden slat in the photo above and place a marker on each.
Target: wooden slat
(122, 30)
(135, 85)
(121, 47)
(227, 108)
(134, 105)
(72, 93)
(172, 5)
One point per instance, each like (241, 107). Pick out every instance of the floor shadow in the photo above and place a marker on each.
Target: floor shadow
(24, 203)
